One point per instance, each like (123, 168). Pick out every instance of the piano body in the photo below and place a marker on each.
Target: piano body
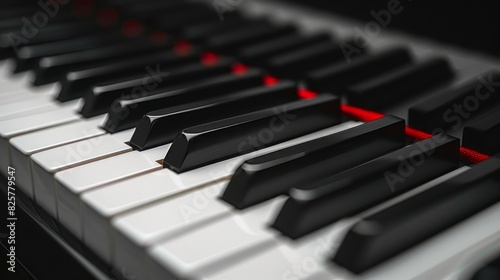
(223, 140)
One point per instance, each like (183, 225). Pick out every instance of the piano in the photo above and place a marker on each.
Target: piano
(223, 140)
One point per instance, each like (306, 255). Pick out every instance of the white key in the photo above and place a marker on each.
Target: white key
(22, 147)
(181, 213)
(38, 104)
(23, 80)
(23, 125)
(2, 71)
(7, 87)
(47, 163)
(16, 85)
(288, 259)
(24, 94)
(6, 70)
(104, 203)
(471, 263)
(307, 257)
(3, 78)
(198, 253)
(16, 96)
(71, 183)
(197, 206)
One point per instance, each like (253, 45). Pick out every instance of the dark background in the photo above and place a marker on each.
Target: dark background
(470, 24)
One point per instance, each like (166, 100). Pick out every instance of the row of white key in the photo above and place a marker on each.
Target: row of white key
(29, 103)
(76, 182)
(35, 111)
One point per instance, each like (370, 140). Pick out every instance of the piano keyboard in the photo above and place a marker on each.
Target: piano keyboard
(250, 140)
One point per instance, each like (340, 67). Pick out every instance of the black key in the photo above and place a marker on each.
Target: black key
(10, 25)
(260, 52)
(16, 3)
(296, 63)
(17, 12)
(452, 107)
(127, 3)
(395, 229)
(483, 135)
(175, 17)
(161, 127)
(490, 271)
(339, 76)
(152, 9)
(16, 24)
(231, 41)
(53, 68)
(313, 206)
(11, 43)
(125, 113)
(271, 175)
(76, 83)
(201, 32)
(99, 99)
(29, 56)
(176, 22)
(212, 142)
(399, 84)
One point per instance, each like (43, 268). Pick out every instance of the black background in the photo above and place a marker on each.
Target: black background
(470, 24)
